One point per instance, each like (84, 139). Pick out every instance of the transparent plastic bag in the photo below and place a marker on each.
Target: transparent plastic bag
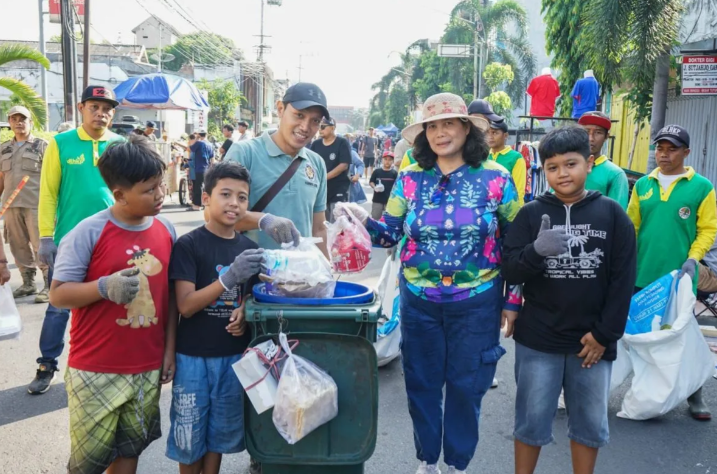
(298, 272)
(349, 244)
(306, 398)
(10, 322)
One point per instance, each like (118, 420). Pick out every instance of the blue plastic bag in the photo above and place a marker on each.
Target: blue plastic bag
(650, 303)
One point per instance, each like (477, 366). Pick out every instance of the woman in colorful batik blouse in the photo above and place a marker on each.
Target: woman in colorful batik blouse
(453, 206)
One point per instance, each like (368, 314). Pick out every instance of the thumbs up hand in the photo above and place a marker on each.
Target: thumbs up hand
(551, 242)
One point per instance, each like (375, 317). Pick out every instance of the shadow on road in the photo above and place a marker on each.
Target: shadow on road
(26, 406)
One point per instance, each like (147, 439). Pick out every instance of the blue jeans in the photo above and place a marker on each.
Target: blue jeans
(540, 377)
(455, 345)
(52, 336)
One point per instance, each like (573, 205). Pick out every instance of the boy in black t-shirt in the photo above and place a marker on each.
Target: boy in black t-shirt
(382, 183)
(209, 267)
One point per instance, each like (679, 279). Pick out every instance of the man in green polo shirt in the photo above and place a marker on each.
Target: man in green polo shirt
(511, 160)
(675, 217)
(606, 176)
(71, 189)
(300, 205)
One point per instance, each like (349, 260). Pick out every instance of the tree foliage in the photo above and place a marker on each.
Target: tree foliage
(21, 92)
(397, 106)
(224, 98)
(496, 75)
(201, 48)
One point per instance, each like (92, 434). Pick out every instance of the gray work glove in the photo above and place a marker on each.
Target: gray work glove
(551, 242)
(689, 268)
(120, 287)
(47, 251)
(244, 267)
(281, 229)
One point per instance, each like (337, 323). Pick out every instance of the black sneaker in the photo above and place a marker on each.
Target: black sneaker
(254, 466)
(42, 381)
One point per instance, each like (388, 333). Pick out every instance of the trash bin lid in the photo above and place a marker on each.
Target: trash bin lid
(345, 293)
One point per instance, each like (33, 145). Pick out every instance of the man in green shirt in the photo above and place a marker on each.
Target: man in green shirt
(71, 189)
(505, 156)
(606, 176)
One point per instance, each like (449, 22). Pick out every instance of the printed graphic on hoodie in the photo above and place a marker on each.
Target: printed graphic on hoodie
(577, 262)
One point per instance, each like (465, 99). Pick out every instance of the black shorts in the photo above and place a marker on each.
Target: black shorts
(368, 162)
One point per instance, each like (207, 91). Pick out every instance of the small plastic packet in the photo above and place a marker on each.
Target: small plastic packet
(10, 322)
(298, 272)
(349, 244)
(306, 398)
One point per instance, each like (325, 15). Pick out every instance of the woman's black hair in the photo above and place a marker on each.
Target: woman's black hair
(124, 164)
(475, 150)
(224, 170)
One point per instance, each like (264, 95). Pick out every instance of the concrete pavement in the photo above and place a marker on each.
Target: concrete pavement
(34, 429)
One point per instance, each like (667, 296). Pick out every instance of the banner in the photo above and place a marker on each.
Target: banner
(55, 10)
(699, 75)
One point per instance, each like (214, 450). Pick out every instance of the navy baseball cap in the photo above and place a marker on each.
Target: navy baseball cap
(99, 93)
(303, 95)
(328, 121)
(150, 124)
(499, 125)
(674, 134)
(483, 107)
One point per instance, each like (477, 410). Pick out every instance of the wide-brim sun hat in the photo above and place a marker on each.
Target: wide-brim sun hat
(441, 107)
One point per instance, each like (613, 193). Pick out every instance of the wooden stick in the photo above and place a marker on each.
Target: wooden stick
(14, 194)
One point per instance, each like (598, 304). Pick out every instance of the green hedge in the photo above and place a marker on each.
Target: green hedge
(6, 135)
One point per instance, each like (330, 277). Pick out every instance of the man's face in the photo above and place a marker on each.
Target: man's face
(566, 174)
(495, 138)
(149, 131)
(227, 133)
(670, 157)
(298, 127)
(96, 114)
(597, 135)
(20, 125)
(242, 129)
(326, 130)
(370, 133)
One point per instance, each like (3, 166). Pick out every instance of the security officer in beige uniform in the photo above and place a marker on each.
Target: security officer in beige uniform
(20, 157)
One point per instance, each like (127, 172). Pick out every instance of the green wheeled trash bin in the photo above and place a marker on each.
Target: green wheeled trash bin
(337, 335)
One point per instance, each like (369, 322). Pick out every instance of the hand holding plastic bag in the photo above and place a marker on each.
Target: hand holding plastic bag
(300, 272)
(306, 398)
(349, 242)
(10, 322)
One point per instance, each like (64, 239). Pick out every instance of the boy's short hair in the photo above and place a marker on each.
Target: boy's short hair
(225, 170)
(125, 164)
(567, 139)
(228, 128)
(243, 124)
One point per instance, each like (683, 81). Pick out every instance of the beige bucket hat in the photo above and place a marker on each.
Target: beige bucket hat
(440, 107)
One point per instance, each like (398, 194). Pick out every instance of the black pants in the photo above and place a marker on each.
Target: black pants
(197, 189)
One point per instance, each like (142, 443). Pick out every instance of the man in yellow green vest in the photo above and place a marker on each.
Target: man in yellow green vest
(675, 217)
(71, 189)
(606, 176)
(505, 156)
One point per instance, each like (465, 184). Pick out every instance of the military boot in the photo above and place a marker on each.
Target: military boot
(698, 409)
(43, 297)
(28, 285)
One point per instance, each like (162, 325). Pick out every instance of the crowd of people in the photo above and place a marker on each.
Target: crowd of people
(149, 308)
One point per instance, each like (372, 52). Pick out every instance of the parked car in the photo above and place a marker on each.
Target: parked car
(4, 126)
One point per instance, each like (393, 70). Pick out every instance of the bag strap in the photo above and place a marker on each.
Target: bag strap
(277, 186)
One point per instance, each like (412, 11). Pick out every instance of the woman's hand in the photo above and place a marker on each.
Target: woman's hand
(508, 321)
(592, 350)
(352, 210)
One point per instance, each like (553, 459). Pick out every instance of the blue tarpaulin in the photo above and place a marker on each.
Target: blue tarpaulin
(159, 92)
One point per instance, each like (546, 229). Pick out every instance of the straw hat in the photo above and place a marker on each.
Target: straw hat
(440, 107)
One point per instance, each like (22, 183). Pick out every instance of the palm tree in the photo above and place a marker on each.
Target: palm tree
(498, 46)
(26, 94)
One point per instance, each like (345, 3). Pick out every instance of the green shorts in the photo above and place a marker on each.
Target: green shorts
(111, 415)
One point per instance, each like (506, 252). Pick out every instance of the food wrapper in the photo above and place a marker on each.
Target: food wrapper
(298, 272)
(349, 244)
(307, 397)
(257, 377)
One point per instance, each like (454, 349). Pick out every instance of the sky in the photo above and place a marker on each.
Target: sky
(344, 46)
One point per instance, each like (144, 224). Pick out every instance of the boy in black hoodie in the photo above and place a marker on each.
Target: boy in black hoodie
(574, 251)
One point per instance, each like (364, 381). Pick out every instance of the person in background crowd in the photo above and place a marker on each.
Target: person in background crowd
(368, 150)
(356, 192)
(65, 126)
(203, 154)
(20, 157)
(382, 180)
(605, 176)
(482, 108)
(452, 298)
(675, 216)
(707, 271)
(387, 144)
(505, 156)
(227, 131)
(244, 132)
(149, 129)
(336, 153)
(399, 152)
(71, 189)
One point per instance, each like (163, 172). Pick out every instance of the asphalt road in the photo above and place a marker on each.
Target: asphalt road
(34, 434)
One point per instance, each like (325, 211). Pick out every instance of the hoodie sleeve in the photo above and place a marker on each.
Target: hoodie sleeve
(621, 283)
(521, 262)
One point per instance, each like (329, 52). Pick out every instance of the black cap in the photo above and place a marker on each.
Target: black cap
(480, 106)
(100, 93)
(328, 121)
(674, 134)
(501, 125)
(304, 95)
(150, 124)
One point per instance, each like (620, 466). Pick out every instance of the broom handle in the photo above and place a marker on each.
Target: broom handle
(14, 194)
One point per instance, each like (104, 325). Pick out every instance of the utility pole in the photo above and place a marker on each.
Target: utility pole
(68, 60)
(476, 69)
(159, 51)
(86, 58)
(260, 83)
(43, 72)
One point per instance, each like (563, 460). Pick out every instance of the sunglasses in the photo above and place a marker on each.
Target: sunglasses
(325, 126)
(436, 196)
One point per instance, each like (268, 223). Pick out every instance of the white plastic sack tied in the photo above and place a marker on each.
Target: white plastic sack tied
(388, 341)
(669, 364)
(10, 322)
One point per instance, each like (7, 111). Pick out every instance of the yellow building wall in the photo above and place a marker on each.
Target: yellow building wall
(624, 133)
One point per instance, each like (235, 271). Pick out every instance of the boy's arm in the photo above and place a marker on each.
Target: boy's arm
(521, 262)
(50, 178)
(706, 227)
(372, 179)
(190, 301)
(170, 339)
(633, 210)
(519, 175)
(621, 284)
(620, 190)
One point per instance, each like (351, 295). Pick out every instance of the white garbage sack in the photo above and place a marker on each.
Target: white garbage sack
(669, 364)
(388, 339)
(10, 322)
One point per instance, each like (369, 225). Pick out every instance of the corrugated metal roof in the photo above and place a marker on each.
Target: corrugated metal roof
(698, 114)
